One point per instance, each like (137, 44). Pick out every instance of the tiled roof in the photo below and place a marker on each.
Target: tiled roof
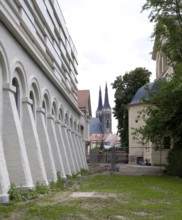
(143, 92)
(83, 97)
(84, 100)
(95, 138)
(95, 126)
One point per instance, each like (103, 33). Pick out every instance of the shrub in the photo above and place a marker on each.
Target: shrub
(14, 194)
(174, 158)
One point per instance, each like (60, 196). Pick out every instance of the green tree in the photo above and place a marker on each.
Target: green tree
(125, 87)
(168, 27)
(163, 120)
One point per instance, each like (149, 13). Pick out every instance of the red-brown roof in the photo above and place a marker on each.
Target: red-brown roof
(93, 138)
(84, 100)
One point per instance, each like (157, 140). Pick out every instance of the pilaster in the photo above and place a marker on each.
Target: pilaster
(4, 176)
(76, 147)
(68, 149)
(13, 142)
(32, 143)
(55, 145)
(82, 148)
(81, 162)
(46, 146)
(73, 149)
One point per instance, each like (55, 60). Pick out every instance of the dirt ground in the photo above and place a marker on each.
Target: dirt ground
(127, 169)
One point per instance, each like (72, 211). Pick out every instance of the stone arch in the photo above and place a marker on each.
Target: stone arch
(4, 66)
(34, 95)
(35, 88)
(4, 78)
(20, 74)
(18, 80)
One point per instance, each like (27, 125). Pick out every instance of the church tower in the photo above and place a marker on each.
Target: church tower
(99, 108)
(104, 112)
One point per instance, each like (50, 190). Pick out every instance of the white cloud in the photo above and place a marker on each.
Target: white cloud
(112, 37)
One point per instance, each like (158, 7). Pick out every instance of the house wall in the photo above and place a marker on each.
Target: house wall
(162, 67)
(41, 131)
(136, 147)
(139, 149)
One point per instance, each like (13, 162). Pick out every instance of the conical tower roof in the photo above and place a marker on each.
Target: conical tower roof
(106, 100)
(99, 108)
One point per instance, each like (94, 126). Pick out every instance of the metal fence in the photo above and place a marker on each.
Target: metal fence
(108, 156)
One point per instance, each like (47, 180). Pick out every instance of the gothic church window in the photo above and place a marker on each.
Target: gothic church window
(107, 123)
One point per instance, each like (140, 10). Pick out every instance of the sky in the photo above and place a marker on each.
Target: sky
(112, 37)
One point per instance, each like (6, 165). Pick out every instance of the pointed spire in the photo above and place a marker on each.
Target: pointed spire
(99, 108)
(106, 101)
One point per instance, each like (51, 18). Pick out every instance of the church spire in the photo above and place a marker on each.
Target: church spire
(106, 100)
(99, 108)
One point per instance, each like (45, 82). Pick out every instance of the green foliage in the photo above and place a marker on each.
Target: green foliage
(163, 118)
(41, 188)
(84, 172)
(168, 27)
(95, 149)
(125, 87)
(174, 166)
(18, 194)
(59, 184)
(14, 194)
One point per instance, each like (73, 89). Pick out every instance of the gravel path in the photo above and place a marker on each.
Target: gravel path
(126, 169)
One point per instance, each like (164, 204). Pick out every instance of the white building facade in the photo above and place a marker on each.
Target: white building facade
(41, 126)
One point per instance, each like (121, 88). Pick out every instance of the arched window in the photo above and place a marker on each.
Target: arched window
(107, 123)
(44, 107)
(54, 111)
(33, 102)
(60, 115)
(66, 119)
(82, 130)
(17, 94)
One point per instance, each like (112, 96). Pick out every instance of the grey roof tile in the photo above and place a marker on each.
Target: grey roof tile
(95, 126)
(143, 92)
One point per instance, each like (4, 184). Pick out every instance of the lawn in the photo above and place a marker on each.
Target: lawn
(103, 197)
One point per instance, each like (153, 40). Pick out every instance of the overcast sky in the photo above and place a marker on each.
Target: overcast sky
(112, 37)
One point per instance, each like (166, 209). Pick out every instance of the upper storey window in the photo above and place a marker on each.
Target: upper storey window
(162, 65)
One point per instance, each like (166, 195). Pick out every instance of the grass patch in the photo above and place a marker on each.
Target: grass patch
(115, 197)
